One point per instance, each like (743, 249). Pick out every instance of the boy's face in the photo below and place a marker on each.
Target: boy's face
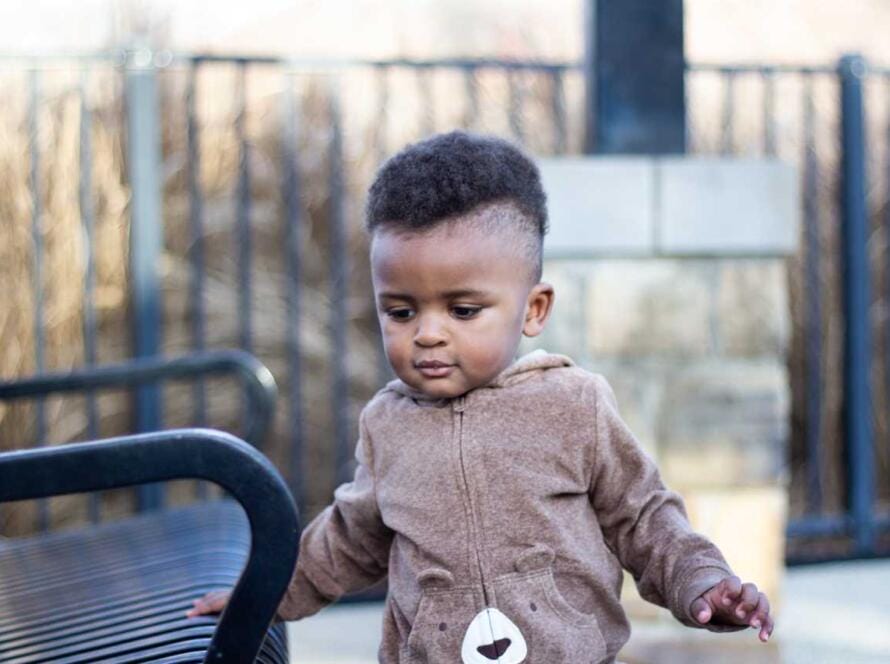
(453, 304)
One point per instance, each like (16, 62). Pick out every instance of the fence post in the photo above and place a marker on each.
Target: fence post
(856, 298)
(635, 68)
(144, 167)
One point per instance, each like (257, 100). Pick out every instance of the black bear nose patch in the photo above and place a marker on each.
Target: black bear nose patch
(494, 650)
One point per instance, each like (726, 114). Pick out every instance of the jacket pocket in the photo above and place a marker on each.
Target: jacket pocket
(443, 615)
(553, 629)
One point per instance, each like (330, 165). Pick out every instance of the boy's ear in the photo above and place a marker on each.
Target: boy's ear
(537, 309)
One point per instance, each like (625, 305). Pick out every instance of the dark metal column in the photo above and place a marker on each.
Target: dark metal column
(144, 159)
(38, 285)
(293, 250)
(339, 290)
(856, 298)
(635, 69)
(88, 222)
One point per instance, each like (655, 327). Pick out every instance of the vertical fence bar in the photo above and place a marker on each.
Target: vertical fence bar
(591, 82)
(517, 102)
(242, 235)
(87, 217)
(813, 304)
(381, 136)
(558, 110)
(726, 142)
(887, 254)
(425, 94)
(290, 194)
(471, 89)
(769, 112)
(196, 248)
(144, 166)
(339, 270)
(37, 266)
(857, 298)
(384, 373)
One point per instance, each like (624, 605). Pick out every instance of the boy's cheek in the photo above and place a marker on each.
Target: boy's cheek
(395, 354)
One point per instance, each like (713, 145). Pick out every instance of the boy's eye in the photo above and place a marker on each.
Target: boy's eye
(400, 314)
(465, 311)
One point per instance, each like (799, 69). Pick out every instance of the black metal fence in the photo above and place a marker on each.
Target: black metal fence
(833, 122)
(287, 204)
(260, 170)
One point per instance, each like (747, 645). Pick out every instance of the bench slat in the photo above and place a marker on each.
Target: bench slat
(118, 592)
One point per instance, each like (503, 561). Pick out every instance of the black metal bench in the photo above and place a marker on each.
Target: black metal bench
(118, 592)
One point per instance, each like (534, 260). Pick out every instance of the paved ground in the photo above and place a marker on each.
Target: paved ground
(831, 614)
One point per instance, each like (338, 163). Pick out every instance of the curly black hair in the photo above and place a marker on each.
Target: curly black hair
(451, 174)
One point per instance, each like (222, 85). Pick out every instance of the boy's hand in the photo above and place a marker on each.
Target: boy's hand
(213, 602)
(731, 602)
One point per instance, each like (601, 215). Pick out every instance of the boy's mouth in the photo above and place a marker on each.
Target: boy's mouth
(434, 368)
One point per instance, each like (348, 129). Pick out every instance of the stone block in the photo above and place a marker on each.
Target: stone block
(639, 391)
(642, 307)
(724, 424)
(753, 310)
(714, 206)
(599, 206)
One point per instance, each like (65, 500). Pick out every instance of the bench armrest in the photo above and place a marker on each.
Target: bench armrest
(184, 454)
(259, 385)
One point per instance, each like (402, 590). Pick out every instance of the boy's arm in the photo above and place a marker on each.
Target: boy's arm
(345, 548)
(645, 524)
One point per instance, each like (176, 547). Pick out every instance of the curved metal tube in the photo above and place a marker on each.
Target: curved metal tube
(184, 454)
(255, 377)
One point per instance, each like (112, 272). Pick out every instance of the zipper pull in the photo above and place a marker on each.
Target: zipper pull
(460, 404)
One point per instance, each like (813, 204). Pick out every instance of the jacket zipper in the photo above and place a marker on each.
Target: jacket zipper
(459, 408)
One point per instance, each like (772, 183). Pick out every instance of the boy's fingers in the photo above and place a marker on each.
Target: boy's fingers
(760, 612)
(215, 597)
(199, 608)
(728, 590)
(760, 618)
(765, 625)
(747, 601)
(701, 610)
(213, 602)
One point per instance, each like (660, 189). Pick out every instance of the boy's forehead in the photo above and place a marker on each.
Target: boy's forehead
(446, 258)
(496, 235)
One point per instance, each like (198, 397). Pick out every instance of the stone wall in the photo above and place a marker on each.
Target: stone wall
(670, 279)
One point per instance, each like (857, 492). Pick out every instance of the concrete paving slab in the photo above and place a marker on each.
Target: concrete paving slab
(340, 634)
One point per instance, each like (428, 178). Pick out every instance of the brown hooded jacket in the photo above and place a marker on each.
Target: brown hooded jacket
(525, 497)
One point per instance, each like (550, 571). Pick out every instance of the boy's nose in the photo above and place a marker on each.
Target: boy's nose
(429, 333)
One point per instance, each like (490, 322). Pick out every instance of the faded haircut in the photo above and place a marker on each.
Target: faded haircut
(452, 175)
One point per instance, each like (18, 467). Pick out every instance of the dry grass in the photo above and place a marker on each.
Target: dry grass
(370, 127)
(706, 98)
(64, 252)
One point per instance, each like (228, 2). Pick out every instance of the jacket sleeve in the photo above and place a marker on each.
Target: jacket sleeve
(345, 548)
(644, 523)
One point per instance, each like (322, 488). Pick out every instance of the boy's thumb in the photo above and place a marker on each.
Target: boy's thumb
(700, 610)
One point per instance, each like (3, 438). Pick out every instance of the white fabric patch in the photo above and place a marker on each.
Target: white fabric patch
(493, 637)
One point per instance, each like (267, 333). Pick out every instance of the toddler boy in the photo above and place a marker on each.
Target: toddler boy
(499, 497)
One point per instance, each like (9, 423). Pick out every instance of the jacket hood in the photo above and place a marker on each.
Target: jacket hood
(521, 369)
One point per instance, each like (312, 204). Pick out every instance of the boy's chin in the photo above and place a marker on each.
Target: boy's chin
(444, 388)
(441, 391)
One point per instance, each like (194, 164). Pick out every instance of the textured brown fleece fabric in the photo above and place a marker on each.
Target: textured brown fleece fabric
(527, 495)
